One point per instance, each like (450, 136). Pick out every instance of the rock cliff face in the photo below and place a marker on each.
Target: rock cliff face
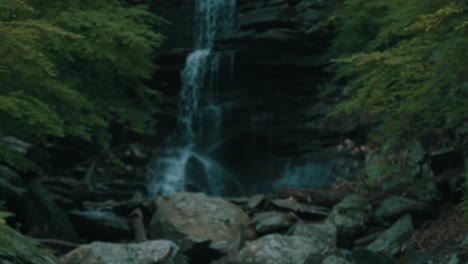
(268, 83)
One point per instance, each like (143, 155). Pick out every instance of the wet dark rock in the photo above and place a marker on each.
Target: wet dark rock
(266, 17)
(100, 225)
(196, 175)
(199, 250)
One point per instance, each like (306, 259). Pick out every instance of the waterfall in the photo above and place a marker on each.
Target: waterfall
(187, 165)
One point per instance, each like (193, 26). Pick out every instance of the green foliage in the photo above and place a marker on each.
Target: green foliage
(4, 214)
(15, 248)
(404, 63)
(68, 65)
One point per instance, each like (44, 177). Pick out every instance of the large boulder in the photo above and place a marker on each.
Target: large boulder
(156, 251)
(183, 215)
(350, 217)
(280, 249)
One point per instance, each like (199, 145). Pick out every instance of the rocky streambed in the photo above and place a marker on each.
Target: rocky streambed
(279, 228)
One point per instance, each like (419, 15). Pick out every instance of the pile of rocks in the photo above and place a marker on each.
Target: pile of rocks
(195, 228)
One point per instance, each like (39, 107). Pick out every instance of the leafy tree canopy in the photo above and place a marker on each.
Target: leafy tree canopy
(404, 63)
(403, 68)
(68, 66)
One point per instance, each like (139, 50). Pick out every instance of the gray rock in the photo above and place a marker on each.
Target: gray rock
(157, 251)
(266, 222)
(300, 207)
(350, 217)
(194, 214)
(255, 201)
(395, 206)
(280, 249)
(391, 240)
(324, 232)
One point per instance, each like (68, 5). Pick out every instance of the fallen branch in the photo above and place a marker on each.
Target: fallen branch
(56, 242)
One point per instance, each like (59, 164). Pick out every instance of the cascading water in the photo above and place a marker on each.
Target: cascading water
(187, 164)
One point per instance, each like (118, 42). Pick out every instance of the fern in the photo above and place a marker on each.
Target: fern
(16, 248)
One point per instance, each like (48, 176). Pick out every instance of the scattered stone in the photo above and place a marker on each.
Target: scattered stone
(350, 217)
(255, 201)
(280, 249)
(267, 222)
(300, 207)
(390, 242)
(156, 251)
